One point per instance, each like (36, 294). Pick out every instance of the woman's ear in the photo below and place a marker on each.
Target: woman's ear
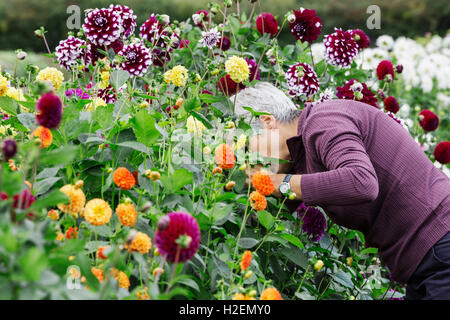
(268, 121)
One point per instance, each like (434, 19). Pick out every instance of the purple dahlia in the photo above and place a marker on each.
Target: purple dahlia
(354, 90)
(227, 86)
(128, 19)
(307, 26)
(254, 71)
(171, 229)
(340, 48)
(137, 59)
(49, 110)
(314, 222)
(302, 80)
(9, 148)
(71, 50)
(102, 26)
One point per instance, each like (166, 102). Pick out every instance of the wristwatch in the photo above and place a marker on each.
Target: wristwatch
(285, 186)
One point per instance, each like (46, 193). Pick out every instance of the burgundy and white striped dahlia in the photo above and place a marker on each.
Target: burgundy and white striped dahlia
(137, 59)
(71, 50)
(151, 30)
(307, 26)
(102, 26)
(340, 48)
(302, 80)
(108, 94)
(128, 19)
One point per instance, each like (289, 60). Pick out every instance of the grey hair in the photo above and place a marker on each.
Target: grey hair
(265, 97)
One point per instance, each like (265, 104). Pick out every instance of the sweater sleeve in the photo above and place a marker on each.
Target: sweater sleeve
(351, 179)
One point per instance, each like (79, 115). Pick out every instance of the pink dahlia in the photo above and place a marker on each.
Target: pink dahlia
(178, 233)
(49, 110)
(391, 104)
(102, 26)
(227, 86)
(442, 152)
(128, 19)
(340, 48)
(72, 50)
(361, 38)
(428, 120)
(23, 200)
(199, 17)
(385, 68)
(307, 26)
(137, 59)
(354, 90)
(266, 23)
(302, 80)
(224, 43)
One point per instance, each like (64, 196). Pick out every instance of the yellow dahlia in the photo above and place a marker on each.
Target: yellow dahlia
(237, 68)
(3, 85)
(77, 199)
(51, 75)
(97, 212)
(178, 75)
(104, 83)
(127, 214)
(96, 102)
(240, 144)
(140, 243)
(16, 94)
(194, 126)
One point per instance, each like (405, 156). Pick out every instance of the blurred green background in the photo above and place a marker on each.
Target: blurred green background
(19, 18)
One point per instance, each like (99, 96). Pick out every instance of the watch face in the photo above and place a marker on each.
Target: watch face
(284, 187)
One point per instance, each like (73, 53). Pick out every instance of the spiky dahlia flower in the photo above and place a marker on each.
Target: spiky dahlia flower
(340, 48)
(271, 294)
(123, 178)
(141, 243)
(137, 59)
(128, 19)
(127, 214)
(108, 94)
(302, 80)
(103, 26)
(210, 38)
(72, 50)
(97, 212)
(391, 104)
(262, 182)
(52, 76)
(385, 68)
(49, 110)
(307, 26)
(428, 120)
(45, 135)
(151, 30)
(171, 229)
(361, 38)
(237, 68)
(442, 152)
(257, 201)
(246, 260)
(354, 90)
(225, 157)
(266, 23)
(314, 222)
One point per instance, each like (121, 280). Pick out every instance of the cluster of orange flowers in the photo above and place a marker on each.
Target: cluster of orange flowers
(263, 184)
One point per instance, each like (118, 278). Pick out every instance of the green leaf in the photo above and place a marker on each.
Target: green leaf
(11, 182)
(44, 185)
(145, 96)
(342, 278)
(144, 128)
(296, 256)
(51, 200)
(248, 243)
(369, 251)
(33, 262)
(177, 180)
(27, 119)
(256, 113)
(191, 104)
(119, 77)
(221, 214)
(266, 219)
(63, 155)
(135, 146)
(9, 105)
(202, 119)
(292, 239)
(8, 241)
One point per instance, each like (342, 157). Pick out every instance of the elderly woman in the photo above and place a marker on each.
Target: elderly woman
(368, 174)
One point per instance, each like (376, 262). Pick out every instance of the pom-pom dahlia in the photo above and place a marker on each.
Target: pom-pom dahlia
(97, 212)
(391, 104)
(141, 243)
(257, 201)
(263, 183)
(237, 68)
(246, 260)
(127, 214)
(72, 50)
(137, 59)
(9, 148)
(128, 19)
(340, 48)
(266, 23)
(385, 68)
(123, 178)
(49, 110)
(302, 80)
(52, 76)
(442, 152)
(314, 222)
(173, 227)
(271, 294)
(353, 90)
(307, 26)
(428, 120)
(224, 43)
(225, 157)
(103, 26)
(227, 86)
(178, 75)
(45, 135)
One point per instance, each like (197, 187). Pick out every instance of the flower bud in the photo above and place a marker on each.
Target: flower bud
(155, 175)
(79, 184)
(252, 293)
(248, 274)
(109, 170)
(9, 148)
(184, 241)
(292, 196)
(291, 18)
(21, 55)
(243, 167)
(399, 68)
(229, 125)
(144, 105)
(206, 150)
(215, 72)
(158, 271)
(318, 265)
(230, 185)
(163, 223)
(217, 170)
(349, 261)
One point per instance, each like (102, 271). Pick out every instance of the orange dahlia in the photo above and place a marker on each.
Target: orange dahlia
(140, 243)
(123, 178)
(72, 233)
(98, 273)
(271, 294)
(263, 183)
(240, 296)
(225, 157)
(246, 260)
(45, 135)
(257, 201)
(143, 294)
(77, 199)
(97, 212)
(127, 214)
(121, 278)
(53, 214)
(100, 252)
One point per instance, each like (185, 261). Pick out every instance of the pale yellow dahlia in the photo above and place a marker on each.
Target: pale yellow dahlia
(16, 94)
(104, 83)
(237, 68)
(3, 85)
(195, 126)
(96, 102)
(240, 142)
(178, 75)
(52, 75)
(97, 212)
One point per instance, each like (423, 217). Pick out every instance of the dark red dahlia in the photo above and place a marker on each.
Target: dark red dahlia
(227, 86)
(49, 110)
(9, 148)
(128, 19)
(307, 26)
(199, 17)
(391, 104)
(3, 196)
(160, 57)
(137, 59)
(108, 94)
(428, 120)
(254, 70)
(353, 90)
(224, 43)
(302, 80)
(314, 222)
(340, 48)
(23, 200)
(178, 236)
(71, 51)
(442, 152)
(385, 68)
(266, 23)
(102, 26)
(361, 38)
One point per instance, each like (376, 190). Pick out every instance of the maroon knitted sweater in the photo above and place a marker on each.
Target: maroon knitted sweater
(368, 174)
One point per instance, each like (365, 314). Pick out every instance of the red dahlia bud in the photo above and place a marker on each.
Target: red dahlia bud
(442, 152)
(9, 148)
(428, 120)
(391, 104)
